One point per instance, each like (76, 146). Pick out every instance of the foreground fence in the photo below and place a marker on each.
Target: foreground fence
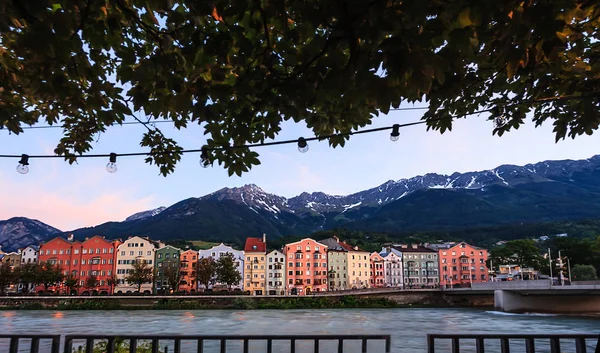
(513, 343)
(200, 344)
(557, 343)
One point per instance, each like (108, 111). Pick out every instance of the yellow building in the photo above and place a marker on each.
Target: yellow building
(357, 264)
(338, 273)
(256, 261)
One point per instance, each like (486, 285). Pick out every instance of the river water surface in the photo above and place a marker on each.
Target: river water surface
(408, 327)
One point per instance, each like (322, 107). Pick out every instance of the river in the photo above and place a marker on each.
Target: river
(408, 327)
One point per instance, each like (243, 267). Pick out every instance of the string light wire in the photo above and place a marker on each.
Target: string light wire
(308, 139)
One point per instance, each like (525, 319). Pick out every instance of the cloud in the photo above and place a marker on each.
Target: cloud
(69, 205)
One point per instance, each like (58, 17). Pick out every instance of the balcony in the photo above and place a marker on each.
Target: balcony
(298, 282)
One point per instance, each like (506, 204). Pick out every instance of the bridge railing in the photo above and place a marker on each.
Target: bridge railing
(479, 343)
(152, 343)
(16, 343)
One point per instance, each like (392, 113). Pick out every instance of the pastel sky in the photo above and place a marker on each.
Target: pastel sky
(84, 194)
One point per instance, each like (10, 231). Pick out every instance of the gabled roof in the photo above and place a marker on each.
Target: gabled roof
(255, 245)
(304, 239)
(386, 253)
(336, 245)
(376, 256)
(414, 249)
(472, 246)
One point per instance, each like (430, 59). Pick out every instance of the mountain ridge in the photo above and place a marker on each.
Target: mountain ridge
(547, 190)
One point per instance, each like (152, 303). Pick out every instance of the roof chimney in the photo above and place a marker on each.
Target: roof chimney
(264, 238)
(336, 238)
(404, 246)
(414, 246)
(70, 237)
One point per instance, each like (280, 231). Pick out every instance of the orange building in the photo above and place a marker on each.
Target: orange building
(97, 259)
(307, 267)
(188, 260)
(64, 253)
(93, 257)
(255, 251)
(377, 271)
(462, 264)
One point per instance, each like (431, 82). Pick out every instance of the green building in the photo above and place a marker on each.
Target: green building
(165, 254)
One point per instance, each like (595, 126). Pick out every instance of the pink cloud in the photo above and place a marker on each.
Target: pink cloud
(64, 205)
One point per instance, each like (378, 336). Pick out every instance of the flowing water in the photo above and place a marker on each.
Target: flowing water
(408, 327)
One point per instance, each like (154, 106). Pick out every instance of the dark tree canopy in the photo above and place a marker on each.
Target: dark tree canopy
(241, 68)
(141, 272)
(522, 252)
(226, 271)
(584, 273)
(71, 282)
(91, 282)
(206, 271)
(7, 276)
(171, 270)
(48, 274)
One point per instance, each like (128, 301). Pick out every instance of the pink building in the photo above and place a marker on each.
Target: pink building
(377, 271)
(463, 264)
(306, 266)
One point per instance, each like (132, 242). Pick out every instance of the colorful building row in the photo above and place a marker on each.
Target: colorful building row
(299, 268)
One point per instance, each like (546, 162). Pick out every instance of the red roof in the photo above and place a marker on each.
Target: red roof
(255, 245)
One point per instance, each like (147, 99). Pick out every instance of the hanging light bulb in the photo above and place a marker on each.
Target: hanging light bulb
(395, 135)
(302, 145)
(204, 160)
(111, 166)
(23, 167)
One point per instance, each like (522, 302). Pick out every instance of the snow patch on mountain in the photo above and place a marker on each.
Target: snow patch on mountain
(145, 214)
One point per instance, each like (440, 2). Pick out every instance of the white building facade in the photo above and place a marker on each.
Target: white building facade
(393, 269)
(276, 273)
(132, 250)
(29, 255)
(220, 250)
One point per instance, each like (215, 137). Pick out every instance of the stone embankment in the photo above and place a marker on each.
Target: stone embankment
(341, 299)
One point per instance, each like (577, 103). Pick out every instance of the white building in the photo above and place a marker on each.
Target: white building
(220, 250)
(276, 273)
(392, 260)
(132, 250)
(29, 255)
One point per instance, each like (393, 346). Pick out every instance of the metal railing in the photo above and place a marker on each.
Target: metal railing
(32, 342)
(581, 341)
(152, 342)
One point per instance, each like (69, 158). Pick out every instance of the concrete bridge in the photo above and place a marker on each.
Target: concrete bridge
(539, 296)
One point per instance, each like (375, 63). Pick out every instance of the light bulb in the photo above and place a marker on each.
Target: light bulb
(204, 163)
(111, 166)
(395, 135)
(23, 167)
(302, 145)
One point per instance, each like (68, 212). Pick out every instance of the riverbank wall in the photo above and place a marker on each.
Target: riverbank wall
(435, 299)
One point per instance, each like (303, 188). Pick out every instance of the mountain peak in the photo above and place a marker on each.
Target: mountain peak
(19, 232)
(251, 196)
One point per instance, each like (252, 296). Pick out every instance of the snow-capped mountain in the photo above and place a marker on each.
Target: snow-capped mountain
(145, 214)
(321, 203)
(253, 197)
(540, 192)
(20, 231)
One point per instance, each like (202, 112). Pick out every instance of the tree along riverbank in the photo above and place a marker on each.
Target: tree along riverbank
(397, 300)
